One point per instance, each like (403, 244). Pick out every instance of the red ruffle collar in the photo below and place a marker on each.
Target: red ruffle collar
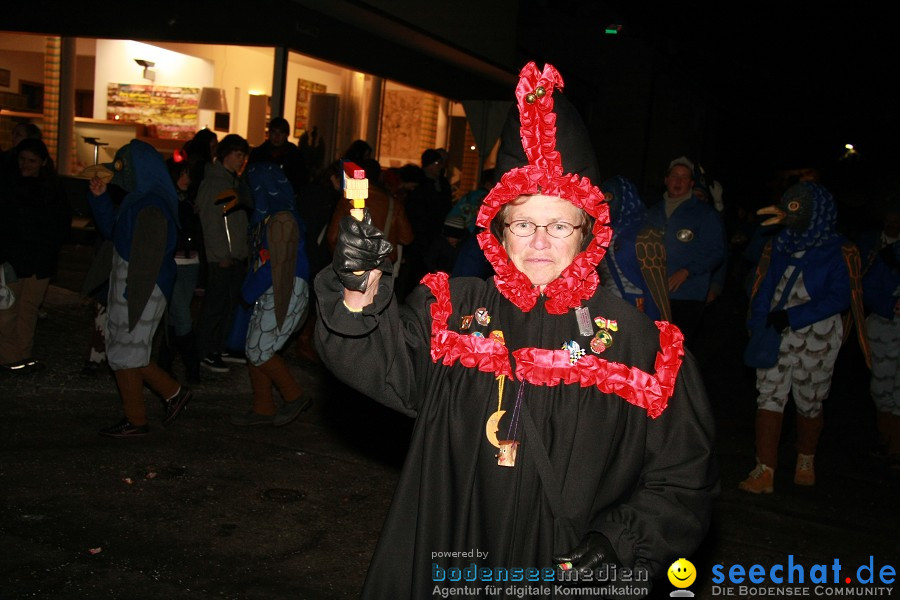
(541, 366)
(543, 175)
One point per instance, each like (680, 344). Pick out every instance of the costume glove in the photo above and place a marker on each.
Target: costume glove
(593, 551)
(360, 248)
(778, 320)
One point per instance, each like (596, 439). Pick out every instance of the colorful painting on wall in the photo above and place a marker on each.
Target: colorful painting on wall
(168, 112)
(408, 126)
(304, 90)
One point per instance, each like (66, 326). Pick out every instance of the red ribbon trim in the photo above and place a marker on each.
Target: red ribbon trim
(540, 366)
(484, 354)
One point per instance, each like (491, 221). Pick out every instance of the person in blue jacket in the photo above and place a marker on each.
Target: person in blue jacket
(695, 245)
(142, 274)
(806, 264)
(277, 289)
(634, 267)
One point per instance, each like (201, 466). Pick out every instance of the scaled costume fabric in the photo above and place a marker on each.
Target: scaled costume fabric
(275, 222)
(881, 292)
(129, 349)
(634, 268)
(617, 441)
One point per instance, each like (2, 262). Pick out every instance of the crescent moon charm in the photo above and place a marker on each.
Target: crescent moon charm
(492, 426)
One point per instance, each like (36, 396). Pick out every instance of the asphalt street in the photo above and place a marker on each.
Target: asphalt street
(203, 509)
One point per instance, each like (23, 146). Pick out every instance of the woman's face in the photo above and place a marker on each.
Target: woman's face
(30, 164)
(184, 181)
(540, 256)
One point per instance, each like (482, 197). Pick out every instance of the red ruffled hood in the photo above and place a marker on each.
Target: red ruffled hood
(544, 175)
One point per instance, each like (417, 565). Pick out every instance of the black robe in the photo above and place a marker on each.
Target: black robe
(646, 483)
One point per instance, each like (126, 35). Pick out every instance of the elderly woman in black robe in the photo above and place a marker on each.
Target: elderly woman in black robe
(559, 432)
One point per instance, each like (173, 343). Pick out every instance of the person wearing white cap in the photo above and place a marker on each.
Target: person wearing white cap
(694, 238)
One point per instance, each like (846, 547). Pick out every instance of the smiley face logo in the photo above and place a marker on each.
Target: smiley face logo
(682, 573)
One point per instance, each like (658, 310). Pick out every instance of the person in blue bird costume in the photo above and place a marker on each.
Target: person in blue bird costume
(881, 293)
(634, 267)
(276, 292)
(807, 277)
(143, 231)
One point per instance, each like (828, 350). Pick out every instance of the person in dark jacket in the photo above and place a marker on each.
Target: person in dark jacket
(35, 220)
(556, 426)
(280, 150)
(179, 338)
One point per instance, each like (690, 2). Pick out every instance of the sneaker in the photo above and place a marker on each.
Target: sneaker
(249, 418)
(124, 429)
(805, 473)
(16, 367)
(32, 364)
(214, 363)
(176, 404)
(291, 410)
(231, 356)
(760, 481)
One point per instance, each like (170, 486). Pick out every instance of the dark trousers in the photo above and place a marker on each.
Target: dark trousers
(223, 288)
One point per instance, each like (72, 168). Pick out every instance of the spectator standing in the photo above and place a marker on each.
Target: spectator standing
(281, 151)
(200, 151)
(9, 163)
(222, 203)
(468, 205)
(35, 221)
(358, 152)
(312, 147)
(427, 206)
(179, 337)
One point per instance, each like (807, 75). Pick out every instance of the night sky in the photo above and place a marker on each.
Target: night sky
(789, 83)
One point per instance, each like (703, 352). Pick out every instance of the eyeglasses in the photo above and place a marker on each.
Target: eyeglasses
(558, 230)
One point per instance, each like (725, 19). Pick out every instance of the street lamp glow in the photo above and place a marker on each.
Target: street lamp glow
(849, 147)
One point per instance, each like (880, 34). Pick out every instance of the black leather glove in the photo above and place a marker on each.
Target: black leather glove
(593, 551)
(778, 320)
(360, 248)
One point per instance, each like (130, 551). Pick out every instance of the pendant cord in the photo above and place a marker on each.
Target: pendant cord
(514, 425)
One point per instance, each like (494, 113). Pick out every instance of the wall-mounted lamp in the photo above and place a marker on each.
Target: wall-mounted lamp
(213, 99)
(149, 73)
